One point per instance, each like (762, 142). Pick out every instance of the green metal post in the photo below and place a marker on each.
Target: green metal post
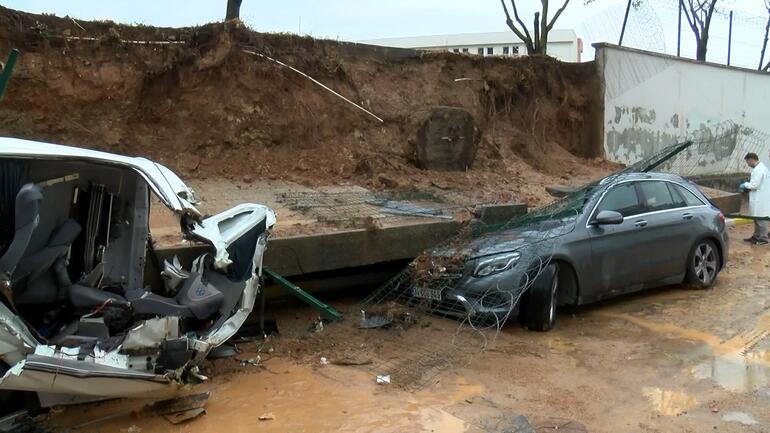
(5, 76)
(328, 312)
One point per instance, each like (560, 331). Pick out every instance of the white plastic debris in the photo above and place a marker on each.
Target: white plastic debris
(324, 361)
(383, 379)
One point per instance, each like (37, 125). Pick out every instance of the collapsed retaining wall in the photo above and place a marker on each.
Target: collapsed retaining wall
(652, 100)
(192, 99)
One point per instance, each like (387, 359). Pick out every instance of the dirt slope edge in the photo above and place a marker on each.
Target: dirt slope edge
(205, 108)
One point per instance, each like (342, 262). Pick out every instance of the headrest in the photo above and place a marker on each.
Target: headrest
(27, 205)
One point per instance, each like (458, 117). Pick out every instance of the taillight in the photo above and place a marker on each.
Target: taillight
(721, 217)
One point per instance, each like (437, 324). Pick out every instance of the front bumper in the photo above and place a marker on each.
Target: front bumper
(495, 295)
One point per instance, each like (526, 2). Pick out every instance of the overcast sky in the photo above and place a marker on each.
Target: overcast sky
(651, 27)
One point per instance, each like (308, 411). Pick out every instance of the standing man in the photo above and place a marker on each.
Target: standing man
(759, 197)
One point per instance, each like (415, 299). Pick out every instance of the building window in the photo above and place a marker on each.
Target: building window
(515, 50)
(490, 51)
(506, 50)
(480, 51)
(465, 50)
(456, 50)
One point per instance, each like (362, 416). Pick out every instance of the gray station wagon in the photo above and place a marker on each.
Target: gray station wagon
(627, 232)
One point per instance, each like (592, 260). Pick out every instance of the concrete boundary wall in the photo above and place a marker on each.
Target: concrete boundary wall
(652, 100)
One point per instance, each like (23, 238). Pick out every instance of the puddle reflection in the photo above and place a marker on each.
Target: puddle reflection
(670, 403)
(736, 372)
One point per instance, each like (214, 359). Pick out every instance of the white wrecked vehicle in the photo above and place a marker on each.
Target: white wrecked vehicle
(82, 317)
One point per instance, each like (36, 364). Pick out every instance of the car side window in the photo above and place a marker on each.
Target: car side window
(679, 201)
(689, 198)
(656, 196)
(621, 198)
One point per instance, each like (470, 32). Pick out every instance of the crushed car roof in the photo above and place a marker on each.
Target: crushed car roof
(166, 185)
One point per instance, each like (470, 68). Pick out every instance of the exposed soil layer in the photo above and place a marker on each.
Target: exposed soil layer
(207, 109)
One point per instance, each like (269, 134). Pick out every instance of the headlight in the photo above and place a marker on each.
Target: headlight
(496, 264)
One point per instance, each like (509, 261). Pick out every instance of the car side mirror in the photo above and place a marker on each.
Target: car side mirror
(608, 217)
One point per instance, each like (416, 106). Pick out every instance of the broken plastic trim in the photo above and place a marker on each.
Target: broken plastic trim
(222, 229)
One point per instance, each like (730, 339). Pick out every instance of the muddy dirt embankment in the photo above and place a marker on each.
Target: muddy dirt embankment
(207, 109)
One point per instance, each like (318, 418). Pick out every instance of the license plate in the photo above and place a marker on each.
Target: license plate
(421, 292)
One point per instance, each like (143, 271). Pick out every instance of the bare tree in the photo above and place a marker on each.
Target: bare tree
(537, 41)
(766, 67)
(698, 14)
(233, 9)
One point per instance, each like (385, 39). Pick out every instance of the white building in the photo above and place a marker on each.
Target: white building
(562, 44)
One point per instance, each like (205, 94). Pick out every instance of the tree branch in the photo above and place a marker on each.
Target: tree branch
(523, 36)
(543, 22)
(521, 23)
(690, 22)
(708, 18)
(696, 7)
(558, 12)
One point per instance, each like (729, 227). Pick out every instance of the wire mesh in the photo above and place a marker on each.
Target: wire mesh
(361, 207)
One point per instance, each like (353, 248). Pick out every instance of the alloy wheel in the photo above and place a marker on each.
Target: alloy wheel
(705, 263)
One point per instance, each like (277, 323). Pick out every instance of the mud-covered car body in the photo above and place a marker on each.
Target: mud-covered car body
(647, 246)
(87, 310)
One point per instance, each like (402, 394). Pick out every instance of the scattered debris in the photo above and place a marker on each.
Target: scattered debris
(383, 379)
(317, 325)
(181, 409)
(387, 315)
(324, 361)
(294, 290)
(195, 372)
(713, 406)
(180, 404)
(351, 361)
(373, 321)
(223, 351)
(180, 417)
(251, 361)
(267, 417)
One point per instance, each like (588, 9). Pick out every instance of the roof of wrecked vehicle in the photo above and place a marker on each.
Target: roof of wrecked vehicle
(169, 188)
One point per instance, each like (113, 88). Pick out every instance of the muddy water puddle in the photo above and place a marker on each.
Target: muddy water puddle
(739, 417)
(738, 364)
(736, 372)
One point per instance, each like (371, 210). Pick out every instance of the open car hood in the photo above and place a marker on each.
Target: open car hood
(167, 186)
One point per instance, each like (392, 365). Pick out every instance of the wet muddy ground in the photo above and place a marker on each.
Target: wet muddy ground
(668, 360)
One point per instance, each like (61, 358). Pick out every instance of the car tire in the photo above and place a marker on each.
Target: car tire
(702, 264)
(541, 300)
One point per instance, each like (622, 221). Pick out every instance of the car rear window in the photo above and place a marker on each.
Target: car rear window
(689, 198)
(656, 196)
(623, 199)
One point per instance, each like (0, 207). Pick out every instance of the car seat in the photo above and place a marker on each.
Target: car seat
(26, 219)
(195, 298)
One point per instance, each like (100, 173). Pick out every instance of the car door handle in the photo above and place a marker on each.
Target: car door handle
(687, 216)
(641, 223)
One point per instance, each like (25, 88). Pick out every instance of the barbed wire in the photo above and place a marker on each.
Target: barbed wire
(653, 27)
